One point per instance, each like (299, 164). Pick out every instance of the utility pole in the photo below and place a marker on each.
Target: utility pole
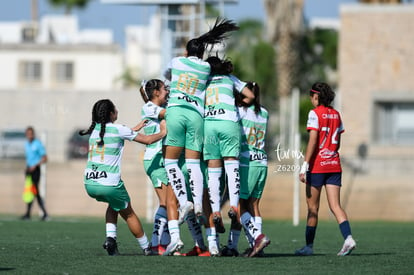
(35, 9)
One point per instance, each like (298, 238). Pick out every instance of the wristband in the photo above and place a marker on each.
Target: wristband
(304, 168)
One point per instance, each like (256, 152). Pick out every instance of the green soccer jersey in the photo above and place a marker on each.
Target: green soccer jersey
(219, 103)
(253, 129)
(104, 162)
(188, 77)
(151, 112)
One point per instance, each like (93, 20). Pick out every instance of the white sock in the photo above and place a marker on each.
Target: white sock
(160, 221)
(232, 172)
(177, 180)
(174, 230)
(195, 230)
(111, 230)
(249, 225)
(143, 242)
(196, 180)
(258, 221)
(214, 175)
(233, 239)
(211, 235)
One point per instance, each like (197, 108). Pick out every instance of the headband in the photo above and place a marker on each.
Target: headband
(314, 91)
(143, 84)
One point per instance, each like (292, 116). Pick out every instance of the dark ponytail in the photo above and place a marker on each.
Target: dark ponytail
(197, 46)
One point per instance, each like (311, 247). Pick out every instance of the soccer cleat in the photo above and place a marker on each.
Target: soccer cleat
(158, 250)
(148, 251)
(229, 252)
(233, 214)
(261, 242)
(197, 251)
(173, 247)
(213, 249)
(218, 223)
(25, 218)
(111, 246)
(247, 252)
(304, 251)
(348, 246)
(201, 218)
(183, 212)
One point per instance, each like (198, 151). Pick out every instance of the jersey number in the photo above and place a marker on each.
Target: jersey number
(187, 83)
(255, 137)
(334, 137)
(212, 96)
(99, 150)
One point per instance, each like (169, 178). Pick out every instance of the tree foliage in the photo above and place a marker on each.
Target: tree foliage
(253, 59)
(69, 4)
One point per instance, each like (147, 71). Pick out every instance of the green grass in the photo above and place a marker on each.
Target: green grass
(74, 246)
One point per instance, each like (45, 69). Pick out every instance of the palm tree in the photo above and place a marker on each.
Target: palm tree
(69, 4)
(284, 26)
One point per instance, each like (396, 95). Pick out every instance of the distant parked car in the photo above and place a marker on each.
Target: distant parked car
(12, 143)
(78, 145)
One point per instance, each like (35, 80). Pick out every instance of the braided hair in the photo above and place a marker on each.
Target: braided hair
(101, 113)
(326, 94)
(148, 87)
(197, 46)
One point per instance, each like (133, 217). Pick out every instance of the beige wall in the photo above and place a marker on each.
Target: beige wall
(376, 61)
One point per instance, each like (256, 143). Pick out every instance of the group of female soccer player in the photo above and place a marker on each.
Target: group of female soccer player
(211, 121)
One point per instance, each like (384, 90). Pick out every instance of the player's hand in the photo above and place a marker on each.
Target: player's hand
(303, 170)
(140, 125)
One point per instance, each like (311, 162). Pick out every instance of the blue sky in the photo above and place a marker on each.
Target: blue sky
(116, 17)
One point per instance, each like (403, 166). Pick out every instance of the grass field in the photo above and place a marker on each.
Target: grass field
(74, 246)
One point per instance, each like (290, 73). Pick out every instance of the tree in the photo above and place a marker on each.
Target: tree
(285, 24)
(253, 58)
(69, 4)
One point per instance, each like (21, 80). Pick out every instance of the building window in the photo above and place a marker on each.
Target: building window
(394, 122)
(30, 71)
(63, 72)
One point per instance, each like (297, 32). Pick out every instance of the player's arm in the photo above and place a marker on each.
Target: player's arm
(161, 115)
(248, 96)
(149, 139)
(140, 125)
(310, 150)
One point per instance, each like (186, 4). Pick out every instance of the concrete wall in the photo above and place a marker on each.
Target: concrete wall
(376, 61)
(56, 114)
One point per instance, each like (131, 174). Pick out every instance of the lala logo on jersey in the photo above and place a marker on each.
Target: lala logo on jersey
(326, 153)
(258, 156)
(212, 112)
(188, 99)
(95, 174)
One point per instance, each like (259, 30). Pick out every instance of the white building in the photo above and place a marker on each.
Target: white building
(55, 54)
(53, 72)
